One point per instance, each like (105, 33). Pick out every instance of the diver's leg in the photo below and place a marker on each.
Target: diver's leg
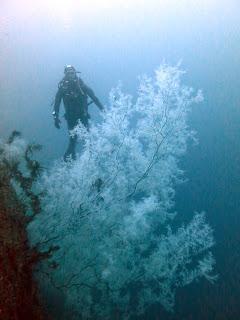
(71, 153)
(85, 122)
(71, 149)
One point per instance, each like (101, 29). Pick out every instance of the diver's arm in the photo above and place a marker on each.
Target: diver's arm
(91, 94)
(56, 108)
(57, 102)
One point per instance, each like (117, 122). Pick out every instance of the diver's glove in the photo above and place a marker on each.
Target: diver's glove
(57, 121)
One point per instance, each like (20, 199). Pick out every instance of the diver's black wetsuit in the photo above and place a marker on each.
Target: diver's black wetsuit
(74, 93)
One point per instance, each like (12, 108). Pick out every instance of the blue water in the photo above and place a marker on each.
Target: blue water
(116, 42)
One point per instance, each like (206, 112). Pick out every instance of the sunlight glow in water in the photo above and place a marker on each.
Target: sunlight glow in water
(67, 12)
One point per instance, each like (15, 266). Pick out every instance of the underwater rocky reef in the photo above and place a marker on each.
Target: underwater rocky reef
(20, 298)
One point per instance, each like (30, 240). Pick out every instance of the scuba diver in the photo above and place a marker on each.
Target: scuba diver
(74, 93)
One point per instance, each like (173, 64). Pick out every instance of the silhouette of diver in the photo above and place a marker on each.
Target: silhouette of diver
(74, 93)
